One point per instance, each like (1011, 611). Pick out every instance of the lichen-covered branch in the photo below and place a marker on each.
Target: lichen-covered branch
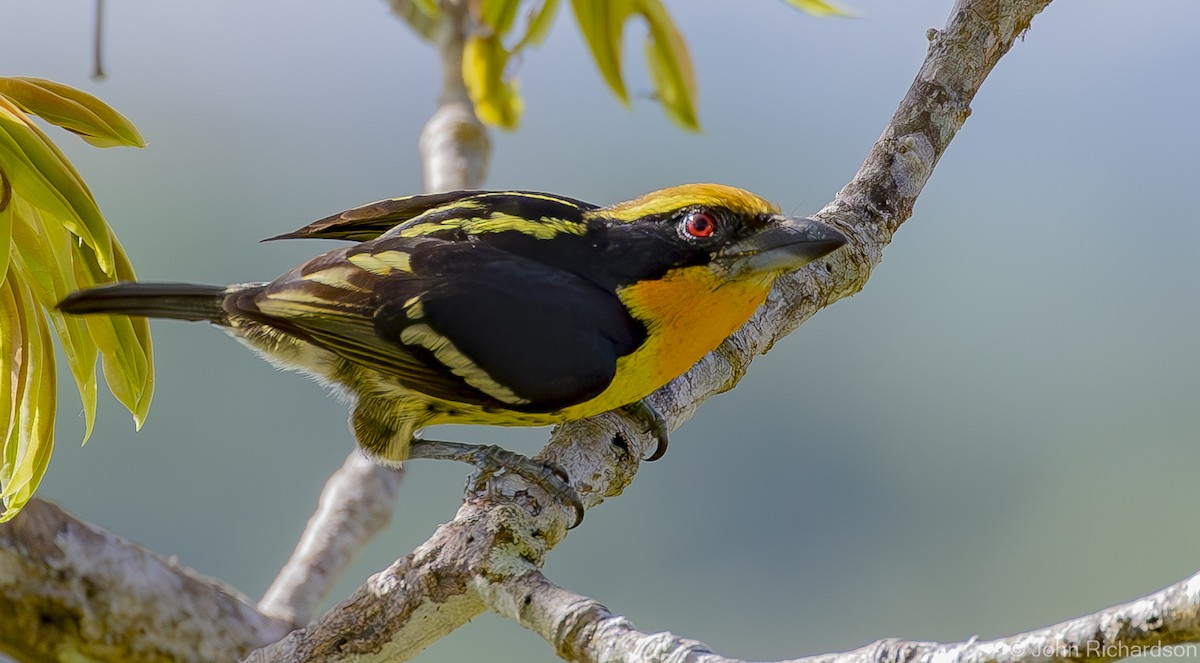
(71, 591)
(580, 629)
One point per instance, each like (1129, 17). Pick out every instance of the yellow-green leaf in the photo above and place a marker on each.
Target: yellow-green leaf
(124, 342)
(39, 173)
(54, 240)
(670, 65)
(43, 254)
(602, 23)
(496, 99)
(6, 221)
(31, 440)
(74, 110)
(819, 7)
(499, 15)
(538, 26)
(12, 343)
(429, 8)
(142, 380)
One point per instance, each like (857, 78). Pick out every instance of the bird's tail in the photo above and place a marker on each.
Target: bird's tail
(179, 301)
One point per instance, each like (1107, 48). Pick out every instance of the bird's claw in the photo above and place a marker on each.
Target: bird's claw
(654, 423)
(492, 459)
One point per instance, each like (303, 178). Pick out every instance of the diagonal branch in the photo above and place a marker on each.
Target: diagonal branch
(580, 629)
(501, 535)
(356, 504)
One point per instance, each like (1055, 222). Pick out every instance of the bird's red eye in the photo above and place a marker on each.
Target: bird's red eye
(700, 225)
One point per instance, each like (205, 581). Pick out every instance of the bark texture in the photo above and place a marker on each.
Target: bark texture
(73, 592)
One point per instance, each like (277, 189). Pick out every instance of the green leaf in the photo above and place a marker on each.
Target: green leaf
(53, 240)
(31, 439)
(819, 7)
(74, 110)
(141, 381)
(496, 99)
(39, 173)
(499, 15)
(670, 65)
(12, 344)
(43, 254)
(429, 8)
(538, 25)
(123, 342)
(602, 23)
(6, 222)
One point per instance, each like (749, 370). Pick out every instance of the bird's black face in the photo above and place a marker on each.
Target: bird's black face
(734, 243)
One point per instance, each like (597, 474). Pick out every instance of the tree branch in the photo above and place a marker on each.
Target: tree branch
(69, 590)
(356, 504)
(580, 629)
(454, 145)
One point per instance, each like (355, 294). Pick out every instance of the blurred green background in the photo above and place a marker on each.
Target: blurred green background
(998, 433)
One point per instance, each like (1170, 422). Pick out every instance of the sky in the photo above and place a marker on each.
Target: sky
(996, 434)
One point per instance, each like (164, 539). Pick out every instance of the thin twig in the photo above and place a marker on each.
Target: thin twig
(98, 44)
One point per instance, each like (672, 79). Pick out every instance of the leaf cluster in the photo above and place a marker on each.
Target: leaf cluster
(53, 241)
(498, 38)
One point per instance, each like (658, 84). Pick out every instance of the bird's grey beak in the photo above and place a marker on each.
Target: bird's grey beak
(785, 244)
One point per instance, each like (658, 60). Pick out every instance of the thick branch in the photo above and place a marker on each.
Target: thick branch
(580, 629)
(436, 590)
(421, 597)
(71, 591)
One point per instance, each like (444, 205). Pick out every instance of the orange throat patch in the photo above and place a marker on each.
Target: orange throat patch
(687, 313)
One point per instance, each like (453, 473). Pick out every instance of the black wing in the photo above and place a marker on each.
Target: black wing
(374, 219)
(459, 321)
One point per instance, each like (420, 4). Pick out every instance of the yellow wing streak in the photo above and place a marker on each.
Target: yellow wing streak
(543, 228)
(370, 263)
(458, 363)
(395, 259)
(290, 302)
(337, 277)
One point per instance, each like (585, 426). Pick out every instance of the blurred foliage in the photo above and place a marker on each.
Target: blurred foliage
(819, 7)
(496, 40)
(53, 240)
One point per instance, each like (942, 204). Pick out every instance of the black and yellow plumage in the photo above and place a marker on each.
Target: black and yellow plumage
(501, 307)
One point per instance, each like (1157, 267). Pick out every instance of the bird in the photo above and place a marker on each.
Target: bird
(510, 308)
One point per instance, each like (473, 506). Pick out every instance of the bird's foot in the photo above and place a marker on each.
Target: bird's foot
(654, 423)
(491, 459)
